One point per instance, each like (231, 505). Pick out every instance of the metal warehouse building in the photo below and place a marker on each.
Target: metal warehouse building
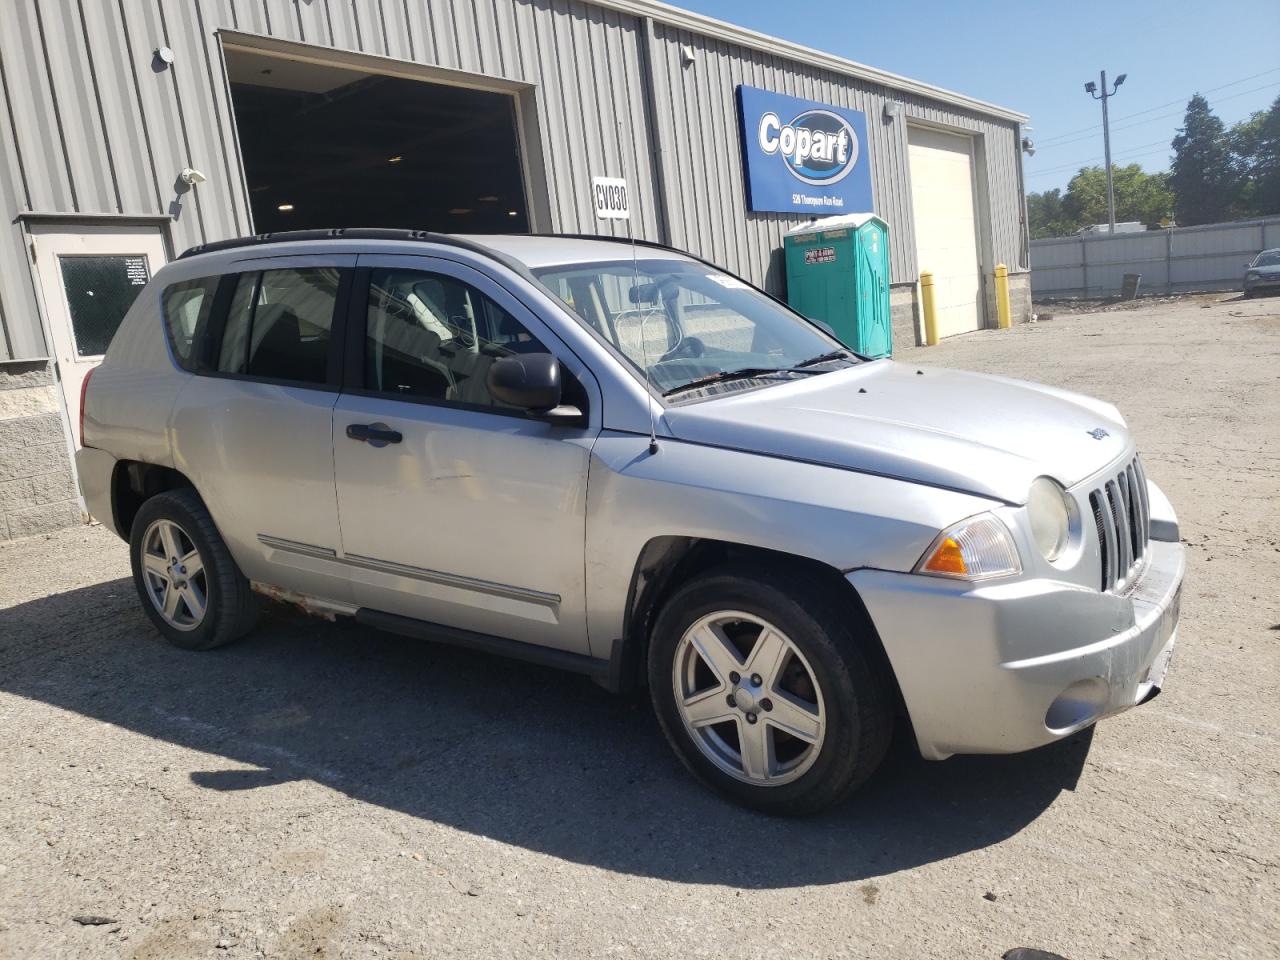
(133, 129)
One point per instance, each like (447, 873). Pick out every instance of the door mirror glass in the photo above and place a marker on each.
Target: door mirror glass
(530, 381)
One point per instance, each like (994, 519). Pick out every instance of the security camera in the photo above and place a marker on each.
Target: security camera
(1029, 146)
(192, 176)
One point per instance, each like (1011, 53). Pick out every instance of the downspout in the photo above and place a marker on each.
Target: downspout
(1024, 244)
(657, 160)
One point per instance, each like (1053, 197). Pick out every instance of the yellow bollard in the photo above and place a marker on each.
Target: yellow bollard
(1003, 311)
(930, 313)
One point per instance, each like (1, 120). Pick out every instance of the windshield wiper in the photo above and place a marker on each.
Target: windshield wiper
(824, 358)
(743, 373)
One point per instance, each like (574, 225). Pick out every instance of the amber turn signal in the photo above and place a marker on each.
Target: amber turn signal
(975, 549)
(947, 559)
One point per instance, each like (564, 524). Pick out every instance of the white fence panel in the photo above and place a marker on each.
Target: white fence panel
(1177, 260)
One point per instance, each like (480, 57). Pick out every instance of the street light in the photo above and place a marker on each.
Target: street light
(1091, 88)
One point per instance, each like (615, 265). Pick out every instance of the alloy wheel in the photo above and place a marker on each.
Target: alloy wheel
(749, 698)
(174, 574)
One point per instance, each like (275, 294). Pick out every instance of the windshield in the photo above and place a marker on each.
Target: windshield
(1267, 258)
(683, 324)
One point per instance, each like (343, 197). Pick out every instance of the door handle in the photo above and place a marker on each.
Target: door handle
(374, 434)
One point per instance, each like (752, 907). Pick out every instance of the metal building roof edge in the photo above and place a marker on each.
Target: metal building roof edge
(744, 36)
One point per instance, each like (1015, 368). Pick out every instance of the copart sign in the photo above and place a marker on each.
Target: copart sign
(802, 156)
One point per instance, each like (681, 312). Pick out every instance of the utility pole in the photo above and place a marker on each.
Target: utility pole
(1091, 88)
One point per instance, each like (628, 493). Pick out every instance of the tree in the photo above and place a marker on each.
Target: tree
(1203, 182)
(1139, 196)
(1255, 159)
(1243, 140)
(1047, 215)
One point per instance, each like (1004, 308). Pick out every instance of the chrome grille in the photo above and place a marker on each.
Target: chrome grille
(1122, 516)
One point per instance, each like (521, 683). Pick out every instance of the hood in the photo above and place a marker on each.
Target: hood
(980, 434)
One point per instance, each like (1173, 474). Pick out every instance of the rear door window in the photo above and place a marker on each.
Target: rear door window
(279, 324)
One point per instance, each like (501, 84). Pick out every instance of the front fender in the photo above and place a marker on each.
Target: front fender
(844, 519)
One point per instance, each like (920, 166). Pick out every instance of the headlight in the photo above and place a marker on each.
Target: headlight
(975, 549)
(1049, 512)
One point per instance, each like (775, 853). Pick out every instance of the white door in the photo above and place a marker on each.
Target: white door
(945, 212)
(89, 277)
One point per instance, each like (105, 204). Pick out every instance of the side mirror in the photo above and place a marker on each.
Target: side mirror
(824, 326)
(531, 381)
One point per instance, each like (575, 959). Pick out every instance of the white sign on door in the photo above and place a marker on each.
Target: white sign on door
(611, 198)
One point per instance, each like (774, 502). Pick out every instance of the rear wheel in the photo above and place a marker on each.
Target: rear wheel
(766, 693)
(189, 585)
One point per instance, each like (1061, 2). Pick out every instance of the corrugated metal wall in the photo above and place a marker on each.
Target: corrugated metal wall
(1176, 260)
(699, 146)
(92, 126)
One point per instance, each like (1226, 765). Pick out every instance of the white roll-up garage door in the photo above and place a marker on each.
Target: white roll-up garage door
(945, 213)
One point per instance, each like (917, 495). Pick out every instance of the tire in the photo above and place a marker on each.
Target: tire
(177, 522)
(825, 670)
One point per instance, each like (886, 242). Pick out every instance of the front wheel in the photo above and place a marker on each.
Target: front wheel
(767, 692)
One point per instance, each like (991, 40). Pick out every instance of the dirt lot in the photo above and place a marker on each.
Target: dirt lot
(320, 790)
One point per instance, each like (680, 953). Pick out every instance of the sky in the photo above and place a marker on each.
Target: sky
(1035, 57)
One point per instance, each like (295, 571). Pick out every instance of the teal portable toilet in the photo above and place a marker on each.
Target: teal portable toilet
(838, 272)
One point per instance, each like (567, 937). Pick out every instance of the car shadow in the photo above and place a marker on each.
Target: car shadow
(528, 756)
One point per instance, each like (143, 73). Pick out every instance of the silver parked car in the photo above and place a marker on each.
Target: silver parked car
(624, 461)
(1262, 274)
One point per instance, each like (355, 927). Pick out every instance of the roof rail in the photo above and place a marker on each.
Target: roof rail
(337, 233)
(627, 241)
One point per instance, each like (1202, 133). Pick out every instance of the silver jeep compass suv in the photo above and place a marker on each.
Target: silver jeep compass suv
(624, 461)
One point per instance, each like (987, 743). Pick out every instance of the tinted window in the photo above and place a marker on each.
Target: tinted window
(100, 290)
(430, 335)
(187, 306)
(278, 325)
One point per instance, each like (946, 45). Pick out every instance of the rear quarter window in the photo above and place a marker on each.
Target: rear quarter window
(187, 306)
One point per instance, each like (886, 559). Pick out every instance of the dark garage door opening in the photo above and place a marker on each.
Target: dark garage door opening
(325, 146)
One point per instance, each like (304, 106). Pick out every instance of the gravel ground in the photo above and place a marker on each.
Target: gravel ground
(320, 790)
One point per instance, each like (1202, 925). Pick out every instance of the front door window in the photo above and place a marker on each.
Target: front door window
(432, 336)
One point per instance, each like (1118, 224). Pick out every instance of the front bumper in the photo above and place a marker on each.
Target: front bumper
(1000, 668)
(1266, 282)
